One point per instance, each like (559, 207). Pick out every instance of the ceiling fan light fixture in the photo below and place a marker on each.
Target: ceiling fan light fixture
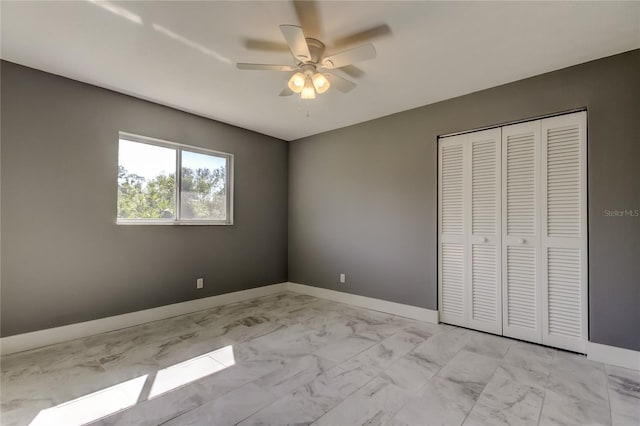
(308, 92)
(320, 82)
(296, 82)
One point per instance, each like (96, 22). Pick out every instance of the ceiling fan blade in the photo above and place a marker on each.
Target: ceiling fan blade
(296, 41)
(352, 71)
(348, 57)
(309, 17)
(342, 84)
(286, 92)
(363, 36)
(264, 67)
(265, 45)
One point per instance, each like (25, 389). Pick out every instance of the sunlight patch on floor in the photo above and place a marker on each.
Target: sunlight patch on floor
(94, 405)
(185, 372)
(124, 395)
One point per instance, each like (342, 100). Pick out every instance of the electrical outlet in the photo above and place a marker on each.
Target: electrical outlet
(343, 278)
(200, 283)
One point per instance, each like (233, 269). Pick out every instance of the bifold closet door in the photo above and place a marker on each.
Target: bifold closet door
(521, 294)
(513, 231)
(452, 236)
(564, 231)
(484, 310)
(469, 252)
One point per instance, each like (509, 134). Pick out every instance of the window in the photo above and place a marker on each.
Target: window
(163, 182)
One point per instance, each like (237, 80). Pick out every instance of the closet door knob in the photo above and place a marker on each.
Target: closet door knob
(522, 241)
(484, 239)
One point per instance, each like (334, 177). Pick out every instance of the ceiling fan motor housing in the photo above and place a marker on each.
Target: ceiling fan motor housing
(308, 69)
(316, 49)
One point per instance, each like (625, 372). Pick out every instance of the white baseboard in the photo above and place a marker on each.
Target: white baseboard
(50, 336)
(607, 354)
(612, 355)
(407, 311)
(602, 353)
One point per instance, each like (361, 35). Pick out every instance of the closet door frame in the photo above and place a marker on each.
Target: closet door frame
(540, 241)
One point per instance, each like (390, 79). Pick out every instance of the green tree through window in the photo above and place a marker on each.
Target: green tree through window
(142, 199)
(147, 184)
(203, 193)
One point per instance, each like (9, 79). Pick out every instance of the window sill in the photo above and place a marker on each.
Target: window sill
(171, 222)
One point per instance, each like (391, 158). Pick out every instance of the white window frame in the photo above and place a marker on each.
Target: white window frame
(178, 147)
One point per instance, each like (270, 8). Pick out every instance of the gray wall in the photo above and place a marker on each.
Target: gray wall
(363, 199)
(63, 258)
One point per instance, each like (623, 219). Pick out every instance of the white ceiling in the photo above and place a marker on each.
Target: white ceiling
(182, 54)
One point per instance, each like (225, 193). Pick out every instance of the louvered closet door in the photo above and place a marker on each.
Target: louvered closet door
(452, 228)
(564, 232)
(484, 289)
(521, 308)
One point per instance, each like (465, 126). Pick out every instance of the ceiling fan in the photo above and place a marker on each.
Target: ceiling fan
(311, 74)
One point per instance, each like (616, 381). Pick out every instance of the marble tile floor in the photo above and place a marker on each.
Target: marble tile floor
(295, 359)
